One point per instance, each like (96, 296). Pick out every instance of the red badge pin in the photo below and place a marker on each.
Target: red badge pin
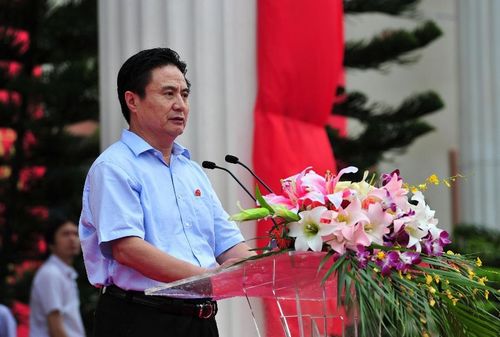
(197, 192)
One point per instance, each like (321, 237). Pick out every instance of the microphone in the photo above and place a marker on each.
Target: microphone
(211, 165)
(234, 160)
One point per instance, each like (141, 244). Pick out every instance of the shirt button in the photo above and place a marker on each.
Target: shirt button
(187, 224)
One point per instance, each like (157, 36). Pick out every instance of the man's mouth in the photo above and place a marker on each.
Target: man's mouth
(177, 119)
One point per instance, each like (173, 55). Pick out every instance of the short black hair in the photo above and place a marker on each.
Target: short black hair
(56, 220)
(135, 73)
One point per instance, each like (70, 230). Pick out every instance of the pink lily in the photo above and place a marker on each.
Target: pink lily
(347, 219)
(337, 241)
(379, 223)
(331, 182)
(393, 194)
(359, 237)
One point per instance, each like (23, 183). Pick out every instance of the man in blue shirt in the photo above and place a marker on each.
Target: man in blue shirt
(149, 213)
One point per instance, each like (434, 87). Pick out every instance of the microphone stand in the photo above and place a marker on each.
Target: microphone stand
(234, 160)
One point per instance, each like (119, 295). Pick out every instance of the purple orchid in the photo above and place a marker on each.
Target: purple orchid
(407, 260)
(400, 238)
(363, 256)
(435, 247)
(386, 177)
(388, 262)
(444, 238)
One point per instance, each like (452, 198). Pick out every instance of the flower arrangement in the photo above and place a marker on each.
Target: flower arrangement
(386, 244)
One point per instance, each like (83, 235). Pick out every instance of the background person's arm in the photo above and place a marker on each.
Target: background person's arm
(55, 324)
(151, 262)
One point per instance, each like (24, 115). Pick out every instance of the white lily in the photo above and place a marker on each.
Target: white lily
(309, 229)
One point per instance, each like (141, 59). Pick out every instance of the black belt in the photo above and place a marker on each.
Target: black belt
(201, 308)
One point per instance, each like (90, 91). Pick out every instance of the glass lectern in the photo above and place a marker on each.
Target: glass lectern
(307, 306)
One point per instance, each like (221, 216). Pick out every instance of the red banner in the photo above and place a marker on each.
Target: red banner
(300, 50)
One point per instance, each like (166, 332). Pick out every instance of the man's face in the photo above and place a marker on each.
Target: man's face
(164, 110)
(66, 242)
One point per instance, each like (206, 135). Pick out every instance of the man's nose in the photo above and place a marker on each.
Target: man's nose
(179, 104)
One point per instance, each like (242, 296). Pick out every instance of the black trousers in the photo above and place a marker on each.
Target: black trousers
(116, 317)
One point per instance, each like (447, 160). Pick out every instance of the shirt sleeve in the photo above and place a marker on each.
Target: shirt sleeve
(227, 233)
(114, 201)
(48, 290)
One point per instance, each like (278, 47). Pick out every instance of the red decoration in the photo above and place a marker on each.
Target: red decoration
(300, 47)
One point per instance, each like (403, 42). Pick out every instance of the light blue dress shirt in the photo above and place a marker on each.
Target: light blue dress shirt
(131, 191)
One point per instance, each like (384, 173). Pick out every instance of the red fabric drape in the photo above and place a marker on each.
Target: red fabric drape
(299, 54)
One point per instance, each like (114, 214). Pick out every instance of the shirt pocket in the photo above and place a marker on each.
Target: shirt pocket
(203, 211)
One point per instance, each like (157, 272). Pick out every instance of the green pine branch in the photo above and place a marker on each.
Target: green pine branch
(385, 128)
(390, 7)
(369, 148)
(390, 46)
(417, 105)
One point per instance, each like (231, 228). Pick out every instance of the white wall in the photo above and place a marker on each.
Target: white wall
(479, 51)
(437, 69)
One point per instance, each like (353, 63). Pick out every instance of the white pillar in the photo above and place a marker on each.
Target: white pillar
(217, 40)
(479, 118)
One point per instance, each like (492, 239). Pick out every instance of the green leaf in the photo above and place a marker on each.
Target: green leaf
(250, 214)
(285, 213)
(324, 260)
(333, 268)
(261, 200)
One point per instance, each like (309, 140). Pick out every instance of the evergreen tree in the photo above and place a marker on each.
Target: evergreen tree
(48, 77)
(384, 128)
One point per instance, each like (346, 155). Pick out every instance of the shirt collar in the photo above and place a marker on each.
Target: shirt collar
(67, 270)
(138, 145)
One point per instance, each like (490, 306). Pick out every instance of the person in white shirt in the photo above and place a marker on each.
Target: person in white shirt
(8, 324)
(54, 300)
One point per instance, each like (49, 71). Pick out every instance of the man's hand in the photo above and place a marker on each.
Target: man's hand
(229, 262)
(235, 254)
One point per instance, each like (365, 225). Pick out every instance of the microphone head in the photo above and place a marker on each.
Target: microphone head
(231, 159)
(208, 165)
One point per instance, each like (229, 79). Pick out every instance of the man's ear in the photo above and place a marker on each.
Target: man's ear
(131, 99)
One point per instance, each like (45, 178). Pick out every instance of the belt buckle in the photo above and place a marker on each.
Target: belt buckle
(206, 315)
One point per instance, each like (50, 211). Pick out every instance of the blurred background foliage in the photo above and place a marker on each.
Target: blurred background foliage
(479, 241)
(48, 128)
